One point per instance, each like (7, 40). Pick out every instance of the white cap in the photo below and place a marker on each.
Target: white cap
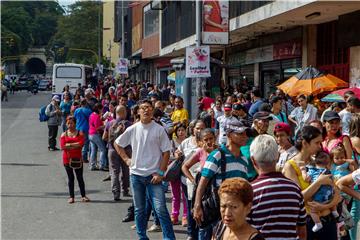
(56, 98)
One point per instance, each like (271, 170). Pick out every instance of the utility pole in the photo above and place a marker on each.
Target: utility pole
(122, 54)
(99, 38)
(198, 43)
(109, 49)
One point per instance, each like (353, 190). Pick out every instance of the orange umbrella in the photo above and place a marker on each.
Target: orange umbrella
(311, 81)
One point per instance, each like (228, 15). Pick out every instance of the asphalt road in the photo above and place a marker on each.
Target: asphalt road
(34, 185)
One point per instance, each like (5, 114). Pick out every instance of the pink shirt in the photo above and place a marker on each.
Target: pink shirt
(201, 155)
(94, 123)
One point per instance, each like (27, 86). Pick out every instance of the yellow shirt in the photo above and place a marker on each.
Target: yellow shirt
(180, 115)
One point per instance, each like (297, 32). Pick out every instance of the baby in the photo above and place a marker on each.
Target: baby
(325, 193)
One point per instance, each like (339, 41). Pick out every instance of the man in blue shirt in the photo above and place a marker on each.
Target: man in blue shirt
(82, 115)
(257, 102)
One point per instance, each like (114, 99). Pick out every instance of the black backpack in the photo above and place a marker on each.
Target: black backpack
(210, 201)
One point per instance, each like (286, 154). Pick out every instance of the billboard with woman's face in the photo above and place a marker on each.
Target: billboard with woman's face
(215, 22)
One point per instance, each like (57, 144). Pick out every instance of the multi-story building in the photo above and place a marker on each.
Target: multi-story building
(269, 41)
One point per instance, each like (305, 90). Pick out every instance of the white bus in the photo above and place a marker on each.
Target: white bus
(70, 74)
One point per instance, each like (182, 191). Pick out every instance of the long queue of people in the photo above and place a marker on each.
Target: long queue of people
(246, 167)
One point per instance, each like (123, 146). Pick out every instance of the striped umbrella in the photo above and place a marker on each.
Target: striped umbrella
(338, 95)
(311, 81)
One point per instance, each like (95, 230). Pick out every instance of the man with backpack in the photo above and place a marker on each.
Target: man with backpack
(53, 113)
(112, 131)
(223, 163)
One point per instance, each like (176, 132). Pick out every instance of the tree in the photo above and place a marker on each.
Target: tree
(79, 29)
(27, 24)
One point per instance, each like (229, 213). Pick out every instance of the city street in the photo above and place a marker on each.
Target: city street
(34, 185)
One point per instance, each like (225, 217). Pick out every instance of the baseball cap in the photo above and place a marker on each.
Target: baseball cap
(227, 107)
(330, 115)
(282, 127)
(235, 126)
(262, 115)
(56, 98)
(89, 90)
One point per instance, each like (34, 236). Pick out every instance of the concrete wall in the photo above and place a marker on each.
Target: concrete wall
(108, 33)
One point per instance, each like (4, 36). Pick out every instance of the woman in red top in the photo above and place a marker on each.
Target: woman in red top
(71, 142)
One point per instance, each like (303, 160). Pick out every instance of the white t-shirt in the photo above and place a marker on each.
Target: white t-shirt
(345, 116)
(356, 176)
(285, 156)
(148, 142)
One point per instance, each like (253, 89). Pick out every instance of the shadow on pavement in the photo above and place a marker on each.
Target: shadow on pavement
(25, 164)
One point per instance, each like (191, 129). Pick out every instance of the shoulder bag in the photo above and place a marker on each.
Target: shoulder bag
(210, 201)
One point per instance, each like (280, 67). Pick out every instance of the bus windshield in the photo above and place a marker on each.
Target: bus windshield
(68, 72)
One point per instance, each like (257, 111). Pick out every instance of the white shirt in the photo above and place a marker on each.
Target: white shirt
(356, 176)
(345, 116)
(148, 142)
(285, 156)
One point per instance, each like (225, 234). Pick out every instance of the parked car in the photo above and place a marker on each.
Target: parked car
(23, 83)
(44, 85)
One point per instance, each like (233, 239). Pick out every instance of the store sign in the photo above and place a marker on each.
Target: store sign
(198, 62)
(287, 50)
(122, 66)
(215, 22)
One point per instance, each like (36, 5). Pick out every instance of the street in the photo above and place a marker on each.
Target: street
(34, 185)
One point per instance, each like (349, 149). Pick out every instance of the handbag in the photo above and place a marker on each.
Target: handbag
(210, 201)
(173, 171)
(74, 162)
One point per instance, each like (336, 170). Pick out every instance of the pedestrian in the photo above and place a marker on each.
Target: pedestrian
(150, 155)
(223, 121)
(275, 196)
(256, 102)
(287, 151)
(178, 195)
(71, 142)
(333, 135)
(303, 114)
(180, 114)
(116, 164)
(96, 130)
(236, 197)
(65, 107)
(308, 143)
(235, 166)
(82, 115)
(261, 123)
(54, 113)
(186, 149)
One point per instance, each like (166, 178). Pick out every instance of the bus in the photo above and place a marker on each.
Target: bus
(70, 74)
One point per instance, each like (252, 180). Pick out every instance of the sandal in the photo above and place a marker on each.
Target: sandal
(85, 199)
(71, 200)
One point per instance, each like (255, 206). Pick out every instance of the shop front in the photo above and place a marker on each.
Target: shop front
(265, 67)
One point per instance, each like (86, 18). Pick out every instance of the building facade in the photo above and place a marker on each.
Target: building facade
(269, 41)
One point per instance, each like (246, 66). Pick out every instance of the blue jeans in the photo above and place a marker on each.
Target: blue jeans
(85, 149)
(355, 213)
(206, 232)
(97, 142)
(141, 186)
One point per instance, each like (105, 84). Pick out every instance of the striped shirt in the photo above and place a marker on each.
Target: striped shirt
(235, 166)
(278, 207)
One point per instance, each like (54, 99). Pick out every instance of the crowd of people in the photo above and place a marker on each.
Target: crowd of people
(249, 168)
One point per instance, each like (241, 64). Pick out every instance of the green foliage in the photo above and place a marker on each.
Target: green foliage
(79, 29)
(26, 24)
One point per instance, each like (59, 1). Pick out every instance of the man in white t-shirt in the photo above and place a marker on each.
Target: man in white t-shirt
(150, 155)
(224, 120)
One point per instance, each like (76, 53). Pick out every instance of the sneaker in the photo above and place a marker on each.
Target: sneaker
(108, 178)
(174, 220)
(154, 228)
(85, 199)
(184, 222)
(133, 227)
(94, 168)
(71, 200)
(105, 169)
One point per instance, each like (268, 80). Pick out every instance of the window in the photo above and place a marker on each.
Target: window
(151, 21)
(68, 72)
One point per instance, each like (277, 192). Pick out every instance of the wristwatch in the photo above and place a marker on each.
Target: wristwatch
(161, 173)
